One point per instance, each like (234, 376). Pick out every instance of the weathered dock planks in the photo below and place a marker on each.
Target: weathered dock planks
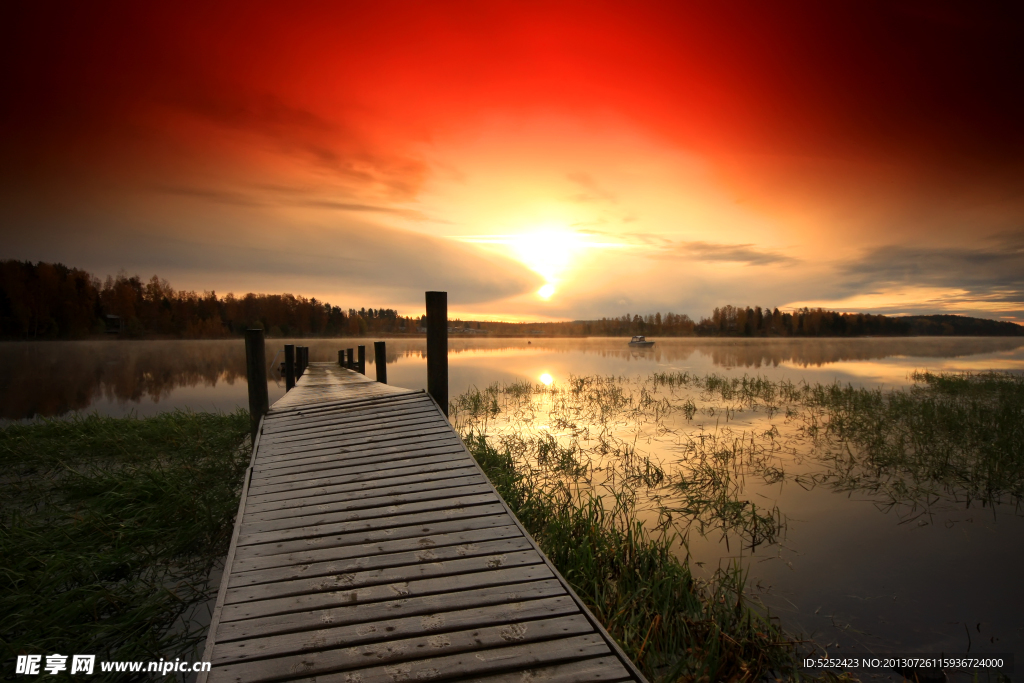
(369, 546)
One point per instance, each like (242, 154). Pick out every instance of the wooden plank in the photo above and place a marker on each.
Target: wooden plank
(371, 613)
(390, 629)
(485, 545)
(451, 469)
(310, 547)
(369, 426)
(295, 563)
(608, 669)
(392, 444)
(379, 518)
(351, 442)
(375, 577)
(475, 663)
(338, 501)
(350, 411)
(249, 611)
(352, 509)
(345, 474)
(393, 410)
(425, 447)
(316, 662)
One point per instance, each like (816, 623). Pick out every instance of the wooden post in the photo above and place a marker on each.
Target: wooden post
(289, 367)
(380, 361)
(256, 374)
(362, 359)
(305, 358)
(437, 348)
(351, 359)
(341, 358)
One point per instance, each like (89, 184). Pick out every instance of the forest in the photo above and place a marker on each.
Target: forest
(53, 301)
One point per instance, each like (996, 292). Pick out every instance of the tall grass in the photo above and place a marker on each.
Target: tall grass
(954, 436)
(570, 460)
(110, 528)
(673, 625)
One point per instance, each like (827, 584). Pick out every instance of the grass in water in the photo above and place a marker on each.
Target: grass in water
(568, 460)
(672, 625)
(109, 530)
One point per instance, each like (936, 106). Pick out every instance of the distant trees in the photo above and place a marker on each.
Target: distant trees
(52, 301)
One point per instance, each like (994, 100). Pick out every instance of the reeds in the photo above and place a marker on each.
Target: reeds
(611, 475)
(674, 626)
(110, 528)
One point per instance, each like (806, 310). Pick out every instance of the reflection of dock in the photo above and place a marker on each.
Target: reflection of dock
(369, 546)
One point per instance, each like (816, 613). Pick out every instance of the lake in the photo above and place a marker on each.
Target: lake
(50, 379)
(850, 567)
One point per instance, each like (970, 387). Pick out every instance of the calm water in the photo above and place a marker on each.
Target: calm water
(50, 379)
(852, 572)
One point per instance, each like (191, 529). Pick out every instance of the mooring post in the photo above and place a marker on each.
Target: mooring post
(362, 359)
(289, 367)
(256, 374)
(380, 361)
(341, 358)
(437, 348)
(351, 365)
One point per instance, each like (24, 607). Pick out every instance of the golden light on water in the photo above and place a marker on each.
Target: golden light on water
(546, 379)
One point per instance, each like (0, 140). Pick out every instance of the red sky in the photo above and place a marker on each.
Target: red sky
(627, 156)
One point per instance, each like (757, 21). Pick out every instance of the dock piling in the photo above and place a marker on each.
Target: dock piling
(361, 363)
(289, 367)
(256, 374)
(380, 361)
(437, 348)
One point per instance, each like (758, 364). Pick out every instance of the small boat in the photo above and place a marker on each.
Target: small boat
(640, 340)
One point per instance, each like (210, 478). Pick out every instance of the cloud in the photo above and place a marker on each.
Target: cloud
(985, 281)
(747, 254)
(592, 191)
(344, 260)
(985, 270)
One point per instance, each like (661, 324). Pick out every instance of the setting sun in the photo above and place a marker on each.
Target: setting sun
(546, 291)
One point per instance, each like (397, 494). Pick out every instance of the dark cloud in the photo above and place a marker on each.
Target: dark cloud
(747, 254)
(246, 250)
(990, 270)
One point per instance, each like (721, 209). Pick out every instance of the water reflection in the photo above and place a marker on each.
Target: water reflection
(47, 379)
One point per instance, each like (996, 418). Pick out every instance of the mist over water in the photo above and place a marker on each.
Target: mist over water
(51, 379)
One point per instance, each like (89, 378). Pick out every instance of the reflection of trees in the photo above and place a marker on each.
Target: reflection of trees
(52, 378)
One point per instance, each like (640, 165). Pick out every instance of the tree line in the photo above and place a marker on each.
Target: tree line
(53, 301)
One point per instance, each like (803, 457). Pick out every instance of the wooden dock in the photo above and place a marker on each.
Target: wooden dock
(369, 546)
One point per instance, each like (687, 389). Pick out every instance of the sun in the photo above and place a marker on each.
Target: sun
(546, 291)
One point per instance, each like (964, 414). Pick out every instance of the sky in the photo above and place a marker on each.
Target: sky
(536, 160)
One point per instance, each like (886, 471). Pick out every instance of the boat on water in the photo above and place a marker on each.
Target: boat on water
(640, 340)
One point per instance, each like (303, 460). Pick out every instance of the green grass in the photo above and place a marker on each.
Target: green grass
(954, 436)
(566, 459)
(109, 530)
(671, 624)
